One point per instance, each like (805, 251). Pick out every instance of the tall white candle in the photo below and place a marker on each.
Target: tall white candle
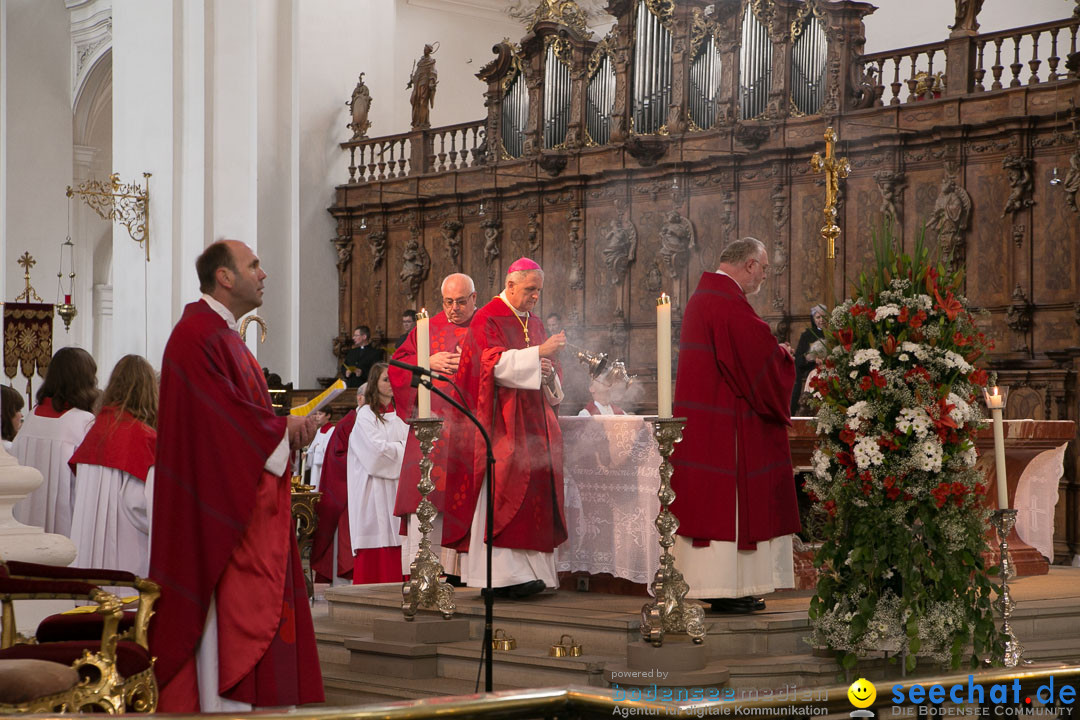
(995, 401)
(423, 359)
(663, 356)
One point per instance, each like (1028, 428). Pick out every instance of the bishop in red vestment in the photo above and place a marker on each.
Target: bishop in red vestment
(332, 509)
(446, 331)
(509, 377)
(233, 627)
(735, 490)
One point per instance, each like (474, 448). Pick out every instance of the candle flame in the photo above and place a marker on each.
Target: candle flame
(664, 299)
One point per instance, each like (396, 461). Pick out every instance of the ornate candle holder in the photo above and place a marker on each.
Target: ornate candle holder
(669, 612)
(1003, 521)
(425, 588)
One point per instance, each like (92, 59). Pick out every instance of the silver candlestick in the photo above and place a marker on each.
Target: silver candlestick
(669, 612)
(1003, 522)
(425, 588)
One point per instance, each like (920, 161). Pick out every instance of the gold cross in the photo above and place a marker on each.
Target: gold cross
(27, 261)
(835, 169)
(27, 295)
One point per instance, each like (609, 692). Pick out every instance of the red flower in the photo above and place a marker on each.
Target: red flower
(866, 383)
(961, 339)
(903, 316)
(931, 280)
(879, 379)
(917, 319)
(845, 459)
(889, 345)
(847, 435)
(949, 304)
(845, 337)
(830, 507)
(892, 493)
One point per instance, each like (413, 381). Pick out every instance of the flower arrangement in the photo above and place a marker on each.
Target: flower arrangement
(901, 568)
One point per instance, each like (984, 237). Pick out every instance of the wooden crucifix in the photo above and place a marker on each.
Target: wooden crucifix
(835, 169)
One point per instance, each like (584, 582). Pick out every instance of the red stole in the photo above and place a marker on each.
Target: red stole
(734, 389)
(528, 483)
(228, 531)
(445, 336)
(117, 440)
(331, 509)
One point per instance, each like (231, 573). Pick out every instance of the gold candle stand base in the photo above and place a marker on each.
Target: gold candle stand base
(669, 613)
(425, 588)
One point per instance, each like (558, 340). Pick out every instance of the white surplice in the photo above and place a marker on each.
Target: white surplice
(518, 369)
(316, 452)
(376, 450)
(46, 444)
(111, 526)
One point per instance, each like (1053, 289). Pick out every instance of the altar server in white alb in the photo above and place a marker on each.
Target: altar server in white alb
(50, 434)
(316, 451)
(376, 449)
(114, 473)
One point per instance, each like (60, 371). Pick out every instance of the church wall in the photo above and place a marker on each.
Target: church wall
(36, 155)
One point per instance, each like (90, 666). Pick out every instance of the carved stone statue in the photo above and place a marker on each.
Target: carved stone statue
(423, 81)
(952, 215)
(891, 185)
(1021, 182)
(967, 12)
(415, 264)
(1071, 185)
(377, 242)
(359, 107)
(491, 241)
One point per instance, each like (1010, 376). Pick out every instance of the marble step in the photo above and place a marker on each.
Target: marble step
(345, 687)
(525, 667)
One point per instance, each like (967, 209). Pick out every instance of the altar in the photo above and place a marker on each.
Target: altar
(611, 475)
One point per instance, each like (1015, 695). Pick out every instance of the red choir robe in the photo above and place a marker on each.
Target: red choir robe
(117, 440)
(223, 528)
(734, 389)
(528, 483)
(332, 509)
(445, 336)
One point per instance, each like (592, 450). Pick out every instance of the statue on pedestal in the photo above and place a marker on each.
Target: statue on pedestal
(359, 107)
(423, 81)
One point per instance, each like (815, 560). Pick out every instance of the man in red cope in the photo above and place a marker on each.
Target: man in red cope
(508, 375)
(735, 489)
(233, 628)
(446, 331)
(332, 541)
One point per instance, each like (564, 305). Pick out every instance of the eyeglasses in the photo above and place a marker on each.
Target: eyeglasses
(451, 302)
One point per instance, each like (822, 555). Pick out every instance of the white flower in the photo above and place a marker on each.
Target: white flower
(914, 419)
(821, 464)
(953, 360)
(962, 412)
(860, 409)
(871, 356)
(924, 302)
(854, 374)
(927, 455)
(970, 457)
(904, 357)
(885, 311)
(867, 453)
(915, 349)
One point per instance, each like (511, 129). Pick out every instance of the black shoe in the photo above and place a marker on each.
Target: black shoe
(741, 605)
(454, 581)
(519, 591)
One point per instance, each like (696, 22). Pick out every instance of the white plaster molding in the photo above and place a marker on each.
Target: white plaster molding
(84, 160)
(520, 10)
(91, 37)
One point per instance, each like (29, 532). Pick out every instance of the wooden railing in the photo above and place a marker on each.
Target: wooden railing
(917, 73)
(443, 149)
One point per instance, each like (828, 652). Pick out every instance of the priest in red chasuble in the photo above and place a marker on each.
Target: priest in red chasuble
(331, 545)
(509, 376)
(735, 490)
(233, 627)
(447, 334)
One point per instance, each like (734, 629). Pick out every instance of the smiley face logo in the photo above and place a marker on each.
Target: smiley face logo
(862, 693)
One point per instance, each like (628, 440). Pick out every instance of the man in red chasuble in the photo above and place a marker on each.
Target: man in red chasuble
(735, 490)
(508, 374)
(447, 334)
(233, 627)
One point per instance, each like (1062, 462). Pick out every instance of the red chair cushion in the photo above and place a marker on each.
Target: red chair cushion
(131, 658)
(81, 626)
(97, 576)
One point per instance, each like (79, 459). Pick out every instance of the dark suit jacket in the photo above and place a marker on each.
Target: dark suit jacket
(361, 358)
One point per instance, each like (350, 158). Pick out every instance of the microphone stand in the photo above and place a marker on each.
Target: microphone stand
(489, 595)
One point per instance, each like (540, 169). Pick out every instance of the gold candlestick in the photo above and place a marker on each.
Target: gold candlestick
(835, 170)
(425, 588)
(669, 612)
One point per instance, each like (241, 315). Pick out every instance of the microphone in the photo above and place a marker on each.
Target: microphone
(417, 370)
